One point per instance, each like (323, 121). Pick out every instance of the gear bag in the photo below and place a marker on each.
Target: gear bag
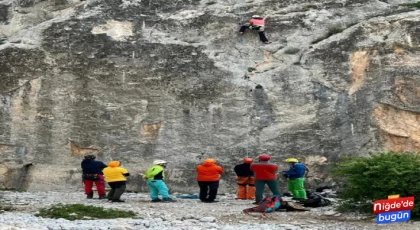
(315, 200)
(266, 205)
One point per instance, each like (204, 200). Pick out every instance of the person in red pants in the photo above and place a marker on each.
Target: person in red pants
(245, 179)
(92, 174)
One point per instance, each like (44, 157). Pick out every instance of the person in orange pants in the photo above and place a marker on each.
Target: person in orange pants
(245, 179)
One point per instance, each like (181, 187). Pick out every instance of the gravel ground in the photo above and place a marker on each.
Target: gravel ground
(186, 214)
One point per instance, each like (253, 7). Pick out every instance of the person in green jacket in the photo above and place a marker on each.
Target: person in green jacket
(155, 179)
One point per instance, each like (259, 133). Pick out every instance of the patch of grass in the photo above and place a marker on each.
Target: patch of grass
(250, 69)
(292, 50)
(412, 5)
(81, 211)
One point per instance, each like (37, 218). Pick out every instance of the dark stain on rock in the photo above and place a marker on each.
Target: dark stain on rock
(20, 64)
(4, 13)
(264, 115)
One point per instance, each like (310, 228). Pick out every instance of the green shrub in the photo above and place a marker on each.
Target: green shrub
(412, 5)
(250, 69)
(367, 179)
(80, 211)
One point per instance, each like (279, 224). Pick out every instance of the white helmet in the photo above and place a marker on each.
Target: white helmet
(256, 16)
(159, 162)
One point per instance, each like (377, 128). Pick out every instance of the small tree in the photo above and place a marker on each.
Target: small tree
(367, 179)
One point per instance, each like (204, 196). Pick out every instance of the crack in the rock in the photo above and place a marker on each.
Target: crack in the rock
(20, 86)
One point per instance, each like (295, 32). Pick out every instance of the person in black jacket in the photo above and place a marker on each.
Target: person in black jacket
(92, 174)
(245, 179)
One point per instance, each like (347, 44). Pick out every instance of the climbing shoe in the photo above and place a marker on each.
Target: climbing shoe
(117, 200)
(156, 200)
(89, 196)
(168, 200)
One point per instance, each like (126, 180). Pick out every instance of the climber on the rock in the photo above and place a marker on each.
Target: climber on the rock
(256, 23)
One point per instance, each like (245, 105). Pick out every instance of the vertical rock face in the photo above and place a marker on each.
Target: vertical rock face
(141, 80)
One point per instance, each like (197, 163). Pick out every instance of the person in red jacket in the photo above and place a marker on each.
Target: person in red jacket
(265, 173)
(208, 176)
(256, 23)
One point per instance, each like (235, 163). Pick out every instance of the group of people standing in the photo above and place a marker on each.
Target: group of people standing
(96, 172)
(251, 178)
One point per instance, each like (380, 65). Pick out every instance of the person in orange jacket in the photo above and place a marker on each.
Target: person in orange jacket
(246, 180)
(208, 176)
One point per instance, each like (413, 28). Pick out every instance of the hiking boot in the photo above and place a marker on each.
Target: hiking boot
(156, 200)
(102, 197)
(210, 201)
(118, 200)
(267, 42)
(89, 196)
(168, 200)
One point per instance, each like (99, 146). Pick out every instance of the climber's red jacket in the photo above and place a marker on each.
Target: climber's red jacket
(264, 170)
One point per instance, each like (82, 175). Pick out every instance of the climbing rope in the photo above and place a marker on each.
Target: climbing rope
(241, 11)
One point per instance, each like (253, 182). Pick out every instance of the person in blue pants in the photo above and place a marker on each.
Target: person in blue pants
(155, 179)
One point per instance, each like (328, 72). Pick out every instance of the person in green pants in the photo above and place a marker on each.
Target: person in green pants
(265, 173)
(296, 175)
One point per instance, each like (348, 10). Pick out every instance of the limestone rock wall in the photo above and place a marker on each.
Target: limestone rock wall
(138, 80)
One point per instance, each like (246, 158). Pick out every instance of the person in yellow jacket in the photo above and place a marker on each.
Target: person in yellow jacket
(115, 176)
(155, 179)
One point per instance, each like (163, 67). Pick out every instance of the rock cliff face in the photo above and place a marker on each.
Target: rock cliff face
(138, 80)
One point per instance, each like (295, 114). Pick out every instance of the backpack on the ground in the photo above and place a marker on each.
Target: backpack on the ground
(266, 205)
(315, 200)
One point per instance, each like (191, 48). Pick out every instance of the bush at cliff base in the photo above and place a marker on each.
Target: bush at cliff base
(367, 179)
